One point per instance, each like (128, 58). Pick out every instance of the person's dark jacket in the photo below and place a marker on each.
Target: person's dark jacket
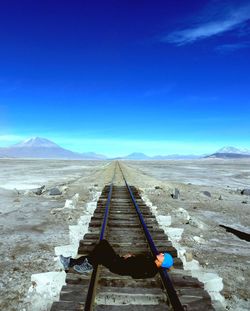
(138, 266)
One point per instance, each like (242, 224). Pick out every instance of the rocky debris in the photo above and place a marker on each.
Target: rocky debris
(244, 202)
(188, 256)
(55, 210)
(207, 193)
(55, 191)
(69, 204)
(198, 239)
(17, 191)
(183, 215)
(158, 188)
(245, 191)
(73, 202)
(40, 190)
(176, 194)
(196, 223)
(64, 188)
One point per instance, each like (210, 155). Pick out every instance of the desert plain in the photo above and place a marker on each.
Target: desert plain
(35, 219)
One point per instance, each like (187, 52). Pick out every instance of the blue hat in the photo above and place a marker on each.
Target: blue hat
(168, 261)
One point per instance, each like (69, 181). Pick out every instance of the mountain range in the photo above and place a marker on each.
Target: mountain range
(43, 148)
(143, 156)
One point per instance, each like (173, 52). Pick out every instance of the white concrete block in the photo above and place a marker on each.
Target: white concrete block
(69, 204)
(66, 250)
(90, 207)
(174, 234)
(164, 220)
(212, 283)
(45, 289)
(191, 265)
(49, 282)
(75, 199)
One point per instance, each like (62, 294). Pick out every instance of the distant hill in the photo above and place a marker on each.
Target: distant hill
(38, 147)
(176, 157)
(137, 156)
(141, 156)
(230, 152)
(93, 155)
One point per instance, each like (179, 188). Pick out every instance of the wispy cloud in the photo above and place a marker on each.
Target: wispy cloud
(232, 19)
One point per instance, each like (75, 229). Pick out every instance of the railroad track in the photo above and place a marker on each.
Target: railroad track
(127, 223)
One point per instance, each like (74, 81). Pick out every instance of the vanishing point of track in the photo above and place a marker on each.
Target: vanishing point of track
(127, 223)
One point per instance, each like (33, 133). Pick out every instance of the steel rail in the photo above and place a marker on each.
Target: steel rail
(89, 302)
(167, 283)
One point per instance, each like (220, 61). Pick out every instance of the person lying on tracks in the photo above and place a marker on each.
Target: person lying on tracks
(136, 266)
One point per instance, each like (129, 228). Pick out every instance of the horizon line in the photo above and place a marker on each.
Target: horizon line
(124, 153)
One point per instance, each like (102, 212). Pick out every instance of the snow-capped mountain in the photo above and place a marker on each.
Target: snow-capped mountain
(43, 148)
(230, 149)
(36, 142)
(230, 152)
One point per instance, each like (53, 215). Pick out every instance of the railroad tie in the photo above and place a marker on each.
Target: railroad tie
(116, 292)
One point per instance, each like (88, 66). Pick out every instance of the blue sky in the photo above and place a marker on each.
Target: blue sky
(113, 77)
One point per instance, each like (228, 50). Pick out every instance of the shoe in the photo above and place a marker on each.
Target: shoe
(65, 261)
(85, 267)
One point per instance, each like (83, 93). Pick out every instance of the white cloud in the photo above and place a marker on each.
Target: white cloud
(231, 20)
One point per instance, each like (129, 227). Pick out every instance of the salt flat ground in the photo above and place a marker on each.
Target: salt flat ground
(215, 249)
(29, 229)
